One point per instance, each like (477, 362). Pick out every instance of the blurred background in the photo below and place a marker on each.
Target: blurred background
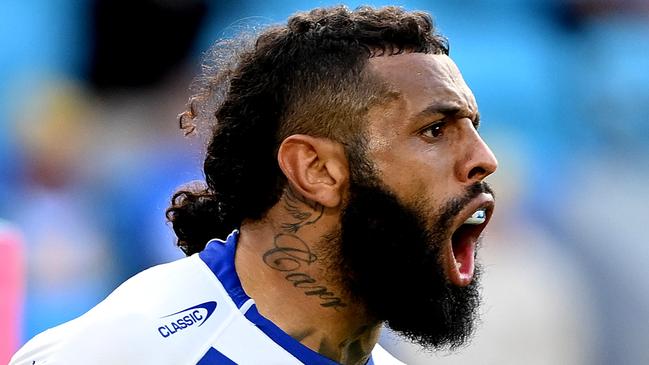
(90, 153)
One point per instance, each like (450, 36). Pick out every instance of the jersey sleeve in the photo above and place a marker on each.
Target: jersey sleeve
(104, 335)
(127, 327)
(39, 350)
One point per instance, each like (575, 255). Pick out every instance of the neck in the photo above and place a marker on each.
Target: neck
(284, 268)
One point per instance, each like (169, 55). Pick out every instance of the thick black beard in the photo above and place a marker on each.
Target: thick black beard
(390, 254)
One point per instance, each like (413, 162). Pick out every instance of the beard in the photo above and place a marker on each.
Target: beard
(390, 254)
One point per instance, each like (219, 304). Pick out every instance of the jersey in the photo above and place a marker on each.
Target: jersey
(191, 311)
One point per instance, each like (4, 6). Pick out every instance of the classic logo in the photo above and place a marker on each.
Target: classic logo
(186, 318)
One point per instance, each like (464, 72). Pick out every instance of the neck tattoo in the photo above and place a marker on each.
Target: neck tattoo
(291, 255)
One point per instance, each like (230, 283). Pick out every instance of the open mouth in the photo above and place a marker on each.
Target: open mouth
(472, 221)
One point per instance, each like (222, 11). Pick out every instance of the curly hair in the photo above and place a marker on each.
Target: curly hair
(306, 77)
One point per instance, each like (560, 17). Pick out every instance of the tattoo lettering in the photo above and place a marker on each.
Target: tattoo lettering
(304, 281)
(290, 254)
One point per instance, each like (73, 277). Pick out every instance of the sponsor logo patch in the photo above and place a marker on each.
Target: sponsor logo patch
(186, 318)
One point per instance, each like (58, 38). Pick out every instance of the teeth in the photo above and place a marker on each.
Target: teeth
(478, 217)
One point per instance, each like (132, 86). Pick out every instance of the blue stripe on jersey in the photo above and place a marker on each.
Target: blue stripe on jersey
(297, 349)
(219, 257)
(214, 357)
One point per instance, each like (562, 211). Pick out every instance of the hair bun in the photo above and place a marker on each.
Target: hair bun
(194, 216)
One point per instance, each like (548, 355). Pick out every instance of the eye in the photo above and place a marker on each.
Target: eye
(434, 130)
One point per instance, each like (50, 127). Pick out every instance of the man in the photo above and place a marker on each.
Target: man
(346, 170)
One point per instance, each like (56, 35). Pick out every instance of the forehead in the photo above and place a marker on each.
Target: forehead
(424, 79)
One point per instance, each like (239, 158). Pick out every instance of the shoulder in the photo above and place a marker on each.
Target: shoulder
(157, 315)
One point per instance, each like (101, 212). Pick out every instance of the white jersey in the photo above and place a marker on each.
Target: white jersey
(192, 311)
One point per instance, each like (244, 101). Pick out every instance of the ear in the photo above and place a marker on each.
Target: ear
(316, 167)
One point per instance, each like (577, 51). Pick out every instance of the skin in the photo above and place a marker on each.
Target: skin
(424, 144)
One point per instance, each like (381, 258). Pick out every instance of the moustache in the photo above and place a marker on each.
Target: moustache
(457, 204)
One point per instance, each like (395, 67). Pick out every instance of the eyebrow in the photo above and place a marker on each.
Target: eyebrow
(446, 109)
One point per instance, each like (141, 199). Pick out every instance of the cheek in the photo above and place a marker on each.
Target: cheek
(415, 173)
(428, 186)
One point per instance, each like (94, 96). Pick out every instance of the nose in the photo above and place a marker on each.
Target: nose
(478, 162)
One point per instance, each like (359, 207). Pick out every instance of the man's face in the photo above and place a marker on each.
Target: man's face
(424, 145)
(415, 181)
